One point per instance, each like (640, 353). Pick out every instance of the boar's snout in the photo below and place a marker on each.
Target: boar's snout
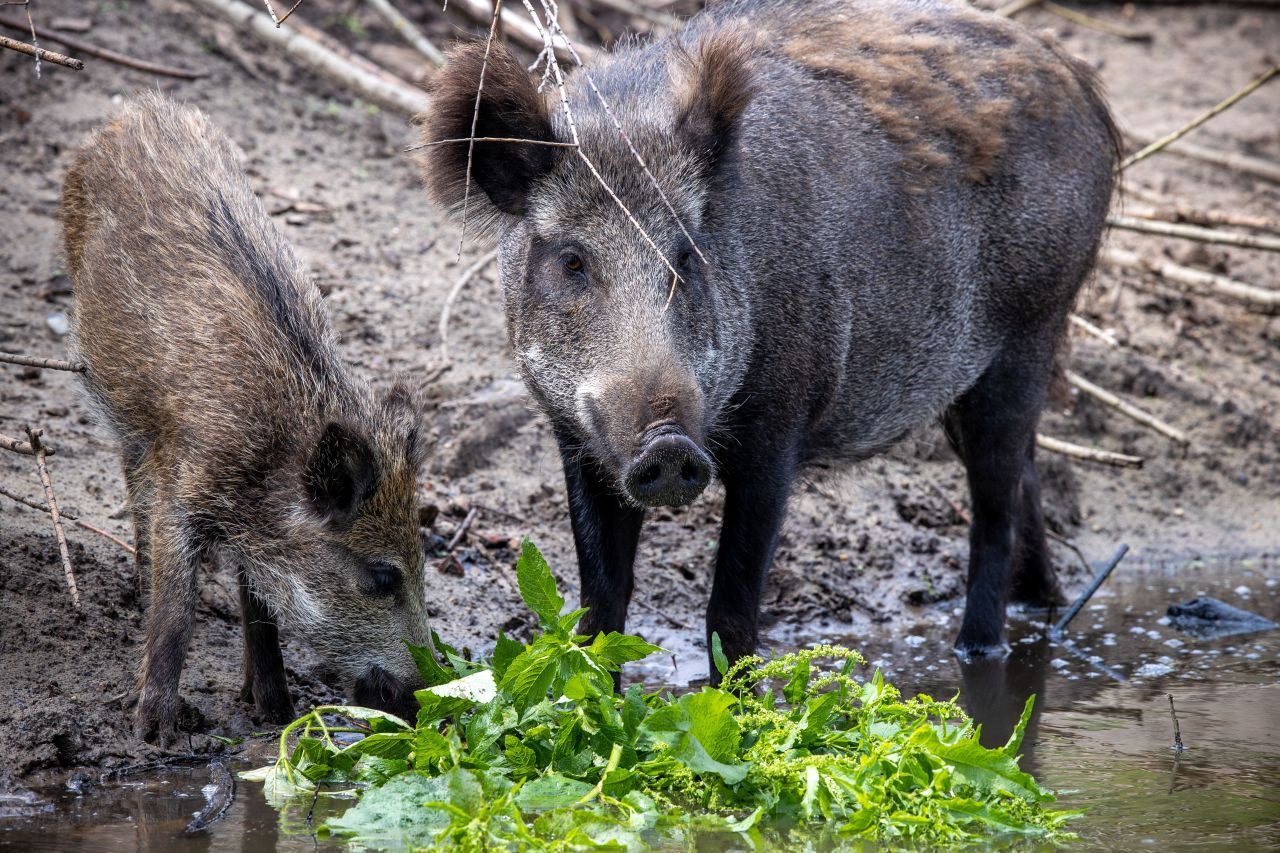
(668, 470)
(383, 691)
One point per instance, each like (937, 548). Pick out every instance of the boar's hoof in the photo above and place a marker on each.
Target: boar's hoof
(669, 470)
(972, 653)
(379, 689)
(156, 721)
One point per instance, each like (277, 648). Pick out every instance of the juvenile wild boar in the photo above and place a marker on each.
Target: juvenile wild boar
(892, 205)
(242, 433)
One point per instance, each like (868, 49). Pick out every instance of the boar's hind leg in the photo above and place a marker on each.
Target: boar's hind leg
(605, 533)
(993, 427)
(1034, 582)
(755, 503)
(264, 680)
(175, 556)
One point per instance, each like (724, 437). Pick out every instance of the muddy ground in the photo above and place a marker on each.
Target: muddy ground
(861, 550)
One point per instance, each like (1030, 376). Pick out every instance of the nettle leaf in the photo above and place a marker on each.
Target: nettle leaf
(614, 649)
(538, 586)
(429, 667)
(384, 745)
(634, 710)
(504, 653)
(570, 620)
(433, 707)
(529, 676)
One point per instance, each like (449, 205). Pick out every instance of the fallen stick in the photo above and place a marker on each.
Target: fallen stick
(630, 7)
(408, 31)
(1195, 232)
(40, 53)
(84, 47)
(1126, 408)
(1088, 454)
(520, 30)
(462, 529)
(223, 783)
(1255, 166)
(1178, 745)
(1264, 300)
(1167, 210)
(83, 525)
(1099, 24)
(1101, 334)
(43, 470)
(1010, 9)
(23, 447)
(278, 21)
(399, 96)
(1169, 138)
(1105, 572)
(466, 276)
(50, 363)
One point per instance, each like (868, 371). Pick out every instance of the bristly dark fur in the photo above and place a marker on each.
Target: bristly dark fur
(510, 107)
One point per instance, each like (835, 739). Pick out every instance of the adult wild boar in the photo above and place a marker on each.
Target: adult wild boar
(891, 206)
(242, 432)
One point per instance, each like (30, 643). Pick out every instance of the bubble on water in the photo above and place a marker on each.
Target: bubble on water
(1173, 643)
(1137, 629)
(1059, 663)
(1242, 591)
(1153, 635)
(1252, 656)
(914, 640)
(1096, 626)
(1163, 620)
(1273, 582)
(1152, 670)
(917, 659)
(931, 668)
(1109, 640)
(1096, 607)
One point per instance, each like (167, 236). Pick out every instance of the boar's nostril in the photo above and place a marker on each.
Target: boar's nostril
(670, 470)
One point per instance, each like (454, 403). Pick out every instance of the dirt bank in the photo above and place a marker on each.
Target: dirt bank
(860, 550)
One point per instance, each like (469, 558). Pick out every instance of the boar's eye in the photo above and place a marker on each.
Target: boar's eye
(685, 262)
(380, 579)
(572, 263)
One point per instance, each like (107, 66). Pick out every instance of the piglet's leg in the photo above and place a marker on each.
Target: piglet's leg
(175, 556)
(264, 679)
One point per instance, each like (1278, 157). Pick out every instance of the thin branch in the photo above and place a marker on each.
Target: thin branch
(1105, 572)
(1167, 139)
(1260, 299)
(1165, 210)
(1126, 408)
(32, 24)
(41, 53)
(1195, 232)
(1010, 9)
(66, 516)
(1234, 160)
(84, 47)
(34, 436)
(466, 276)
(510, 139)
(23, 447)
(514, 27)
(462, 529)
(1102, 26)
(1101, 334)
(49, 363)
(1088, 454)
(475, 118)
(410, 33)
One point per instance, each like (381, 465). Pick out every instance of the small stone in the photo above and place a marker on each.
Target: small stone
(57, 323)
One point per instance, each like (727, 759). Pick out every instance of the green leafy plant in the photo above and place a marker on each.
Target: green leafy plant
(534, 750)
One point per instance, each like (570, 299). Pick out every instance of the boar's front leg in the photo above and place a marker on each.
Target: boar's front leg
(175, 556)
(264, 679)
(605, 532)
(757, 487)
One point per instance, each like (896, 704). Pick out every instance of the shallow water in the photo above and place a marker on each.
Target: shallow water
(1101, 735)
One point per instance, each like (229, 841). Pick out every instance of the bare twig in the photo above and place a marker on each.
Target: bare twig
(410, 33)
(1101, 334)
(510, 139)
(462, 529)
(1163, 210)
(83, 525)
(223, 783)
(40, 53)
(475, 118)
(1233, 160)
(1259, 298)
(49, 363)
(1178, 746)
(1099, 24)
(23, 447)
(1126, 408)
(1010, 9)
(33, 436)
(1169, 138)
(468, 274)
(1098, 580)
(514, 27)
(81, 46)
(1088, 454)
(385, 88)
(1195, 232)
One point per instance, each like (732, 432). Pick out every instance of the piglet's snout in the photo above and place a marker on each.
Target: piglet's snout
(668, 470)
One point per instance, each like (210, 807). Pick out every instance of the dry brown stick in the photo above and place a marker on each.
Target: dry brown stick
(23, 447)
(516, 28)
(1234, 160)
(1088, 454)
(462, 529)
(466, 276)
(1169, 138)
(50, 363)
(385, 89)
(1163, 210)
(41, 53)
(1101, 334)
(1126, 408)
(83, 525)
(84, 47)
(1195, 232)
(475, 118)
(34, 436)
(408, 31)
(1099, 24)
(1010, 9)
(1259, 298)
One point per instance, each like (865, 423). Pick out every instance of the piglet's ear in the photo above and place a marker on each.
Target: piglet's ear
(404, 406)
(714, 85)
(341, 474)
(510, 108)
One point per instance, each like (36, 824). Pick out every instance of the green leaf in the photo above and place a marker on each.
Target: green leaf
(394, 811)
(529, 676)
(717, 653)
(1015, 739)
(986, 770)
(428, 667)
(382, 745)
(614, 649)
(538, 586)
(432, 707)
(795, 689)
(570, 620)
(504, 653)
(551, 792)
(634, 710)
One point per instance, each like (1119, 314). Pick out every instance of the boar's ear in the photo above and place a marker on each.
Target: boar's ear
(714, 85)
(510, 107)
(341, 473)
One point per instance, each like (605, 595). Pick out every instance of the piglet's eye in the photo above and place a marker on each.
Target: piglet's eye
(381, 579)
(572, 263)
